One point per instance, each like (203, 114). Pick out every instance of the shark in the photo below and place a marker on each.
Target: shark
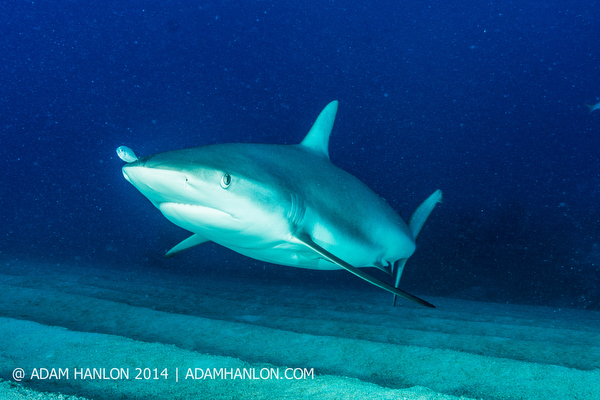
(282, 204)
(593, 107)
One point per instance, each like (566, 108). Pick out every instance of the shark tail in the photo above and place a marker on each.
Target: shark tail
(591, 107)
(415, 224)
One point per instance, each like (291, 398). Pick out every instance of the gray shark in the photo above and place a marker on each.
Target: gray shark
(283, 204)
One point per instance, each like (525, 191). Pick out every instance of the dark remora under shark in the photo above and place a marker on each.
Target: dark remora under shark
(283, 204)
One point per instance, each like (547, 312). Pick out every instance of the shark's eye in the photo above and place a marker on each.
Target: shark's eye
(225, 181)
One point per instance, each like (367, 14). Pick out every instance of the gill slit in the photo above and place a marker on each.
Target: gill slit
(296, 212)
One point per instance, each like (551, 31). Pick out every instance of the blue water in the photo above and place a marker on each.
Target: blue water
(485, 101)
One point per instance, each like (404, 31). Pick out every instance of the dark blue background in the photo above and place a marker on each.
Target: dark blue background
(484, 101)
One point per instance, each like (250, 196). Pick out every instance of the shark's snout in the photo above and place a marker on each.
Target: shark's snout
(127, 155)
(159, 185)
(126, 176)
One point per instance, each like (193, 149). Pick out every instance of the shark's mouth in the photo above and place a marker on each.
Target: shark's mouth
(185, 214)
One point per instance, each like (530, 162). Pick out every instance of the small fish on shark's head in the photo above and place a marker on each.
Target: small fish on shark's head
(593, 107)
(283, 204)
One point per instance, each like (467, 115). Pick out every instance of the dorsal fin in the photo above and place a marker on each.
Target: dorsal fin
(317, 139)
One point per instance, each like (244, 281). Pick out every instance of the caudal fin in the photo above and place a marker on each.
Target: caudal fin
(592, 107)
(415, 224)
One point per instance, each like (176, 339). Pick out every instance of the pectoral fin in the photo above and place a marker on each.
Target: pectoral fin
(304, 238)
(192, 241)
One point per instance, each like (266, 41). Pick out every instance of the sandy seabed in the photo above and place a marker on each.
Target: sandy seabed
(76, 330)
